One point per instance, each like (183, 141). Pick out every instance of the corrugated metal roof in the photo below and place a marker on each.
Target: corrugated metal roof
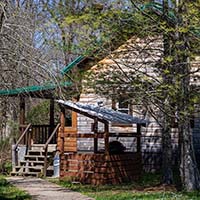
(102, 113)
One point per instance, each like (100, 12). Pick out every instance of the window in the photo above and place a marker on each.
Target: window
(122, 105)
(68, 118)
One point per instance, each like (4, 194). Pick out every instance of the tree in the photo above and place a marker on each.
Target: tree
(23, 62)
(188, 166)
(163, 80)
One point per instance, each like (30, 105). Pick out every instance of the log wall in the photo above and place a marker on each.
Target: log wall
(151, 139)
(101, 169)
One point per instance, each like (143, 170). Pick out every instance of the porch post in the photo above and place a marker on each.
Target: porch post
(51, 116)
(95, 135)
(22, 111)
(62, 129)
(138, 138)
(106, 138)
(22, 117)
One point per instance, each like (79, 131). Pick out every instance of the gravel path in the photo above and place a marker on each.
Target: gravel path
(41, 189)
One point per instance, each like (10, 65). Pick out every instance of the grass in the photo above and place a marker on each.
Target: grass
(9, 192)
(147, 188)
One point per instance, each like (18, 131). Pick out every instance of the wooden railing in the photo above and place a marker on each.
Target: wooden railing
(26, 137)
(46, 147)
(41, 133)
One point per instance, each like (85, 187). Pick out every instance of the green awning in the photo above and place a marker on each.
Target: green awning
(33, 89)
(72, 64)
(42, 89)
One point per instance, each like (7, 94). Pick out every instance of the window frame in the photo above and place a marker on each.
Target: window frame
(115, 106)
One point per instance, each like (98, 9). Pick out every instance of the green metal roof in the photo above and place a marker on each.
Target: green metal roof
(72, 64)
(32, 89)
(41, 88)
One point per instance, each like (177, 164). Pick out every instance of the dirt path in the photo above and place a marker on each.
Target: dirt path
(41, 189)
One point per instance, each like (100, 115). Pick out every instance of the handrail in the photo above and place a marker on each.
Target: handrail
(51, 136)
(17, 143)
(46, 148)
(23, 134)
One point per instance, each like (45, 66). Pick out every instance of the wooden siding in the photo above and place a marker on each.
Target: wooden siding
(67, 140)
(101, 169)
(151, 140)
(141, 54)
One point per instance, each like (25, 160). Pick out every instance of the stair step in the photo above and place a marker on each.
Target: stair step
(34, 162)
(51, 147)
(29, 167)
(36, 152)
(24, 174)
(38, 145)
(34, 158)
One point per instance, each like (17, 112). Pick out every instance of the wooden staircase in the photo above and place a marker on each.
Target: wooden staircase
(38, 160)
(34, 161)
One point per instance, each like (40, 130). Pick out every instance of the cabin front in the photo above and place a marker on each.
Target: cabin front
(88, 147)
(94, 154)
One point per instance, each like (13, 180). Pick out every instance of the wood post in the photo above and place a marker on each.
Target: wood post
(62, 128)
(22, 111)
(95, 135)
(106, 138)
(138, 138)
(51, 116)
(22, 116)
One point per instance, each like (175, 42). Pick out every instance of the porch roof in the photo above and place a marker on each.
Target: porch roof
(72, 64)
(102, 114)
(40, 91)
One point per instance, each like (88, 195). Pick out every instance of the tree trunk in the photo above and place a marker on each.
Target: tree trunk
(167, 174)
(189, 173)
(188, 167)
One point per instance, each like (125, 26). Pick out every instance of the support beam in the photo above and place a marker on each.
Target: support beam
(62, 129)
(22, 116)
(22, 111)
(51, 116)
(95, 135)
(138, 138)
(106, 138)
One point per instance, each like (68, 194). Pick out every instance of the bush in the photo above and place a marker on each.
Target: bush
(5, 156)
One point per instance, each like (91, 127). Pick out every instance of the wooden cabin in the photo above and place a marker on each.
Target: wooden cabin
(84, 145)
(105, 161)
(136, 57)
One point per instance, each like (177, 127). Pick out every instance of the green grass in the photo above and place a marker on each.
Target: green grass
(9, 192)
(146, 189)
(121, 195)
